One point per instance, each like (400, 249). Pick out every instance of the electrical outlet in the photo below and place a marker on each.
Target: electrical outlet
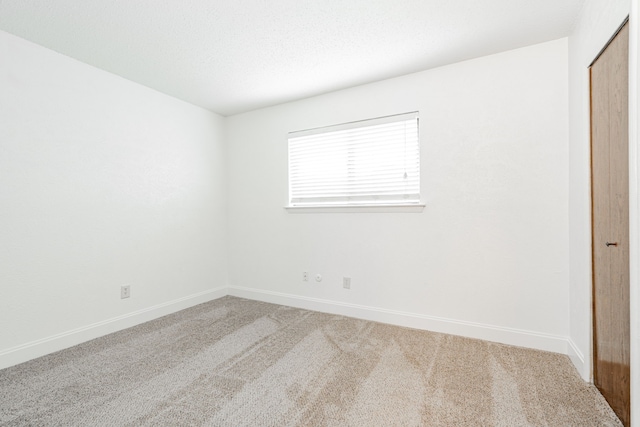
(125, 291)
(318, 277)
(305, 276)
(346, 282)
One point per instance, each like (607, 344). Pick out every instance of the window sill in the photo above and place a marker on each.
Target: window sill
(413, 208)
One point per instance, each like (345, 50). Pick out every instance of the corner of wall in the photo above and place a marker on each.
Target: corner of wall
(578, 360)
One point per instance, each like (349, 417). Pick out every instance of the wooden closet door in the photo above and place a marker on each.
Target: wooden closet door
(610, 198)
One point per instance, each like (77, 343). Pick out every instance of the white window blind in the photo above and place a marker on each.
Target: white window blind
(370, 162)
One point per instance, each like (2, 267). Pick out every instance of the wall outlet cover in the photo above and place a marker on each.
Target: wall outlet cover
(125, 291)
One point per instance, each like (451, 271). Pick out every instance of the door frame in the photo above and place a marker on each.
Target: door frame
(634, 207)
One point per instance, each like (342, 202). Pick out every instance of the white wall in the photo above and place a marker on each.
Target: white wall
(488, 256)
(103, 182)
(596, 24)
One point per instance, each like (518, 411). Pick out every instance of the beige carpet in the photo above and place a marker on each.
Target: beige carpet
(235, 362)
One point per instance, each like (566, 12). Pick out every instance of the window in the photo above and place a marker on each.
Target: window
(370, 162)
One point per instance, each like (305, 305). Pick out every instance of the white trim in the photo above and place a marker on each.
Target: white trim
(41, 347)
(511, 336)
(504, 335)
(577, 358)
(409, 208)
(588, 230)
(634, 209)
(394, 118)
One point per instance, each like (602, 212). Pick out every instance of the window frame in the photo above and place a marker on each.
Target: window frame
(345, 202)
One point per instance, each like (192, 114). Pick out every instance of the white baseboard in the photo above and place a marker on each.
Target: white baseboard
(578, 360)
(511, 336)
(31, 350)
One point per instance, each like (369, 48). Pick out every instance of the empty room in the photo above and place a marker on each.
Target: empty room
(310, 213)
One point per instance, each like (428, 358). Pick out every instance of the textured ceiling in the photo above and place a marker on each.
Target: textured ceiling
(231, 56)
